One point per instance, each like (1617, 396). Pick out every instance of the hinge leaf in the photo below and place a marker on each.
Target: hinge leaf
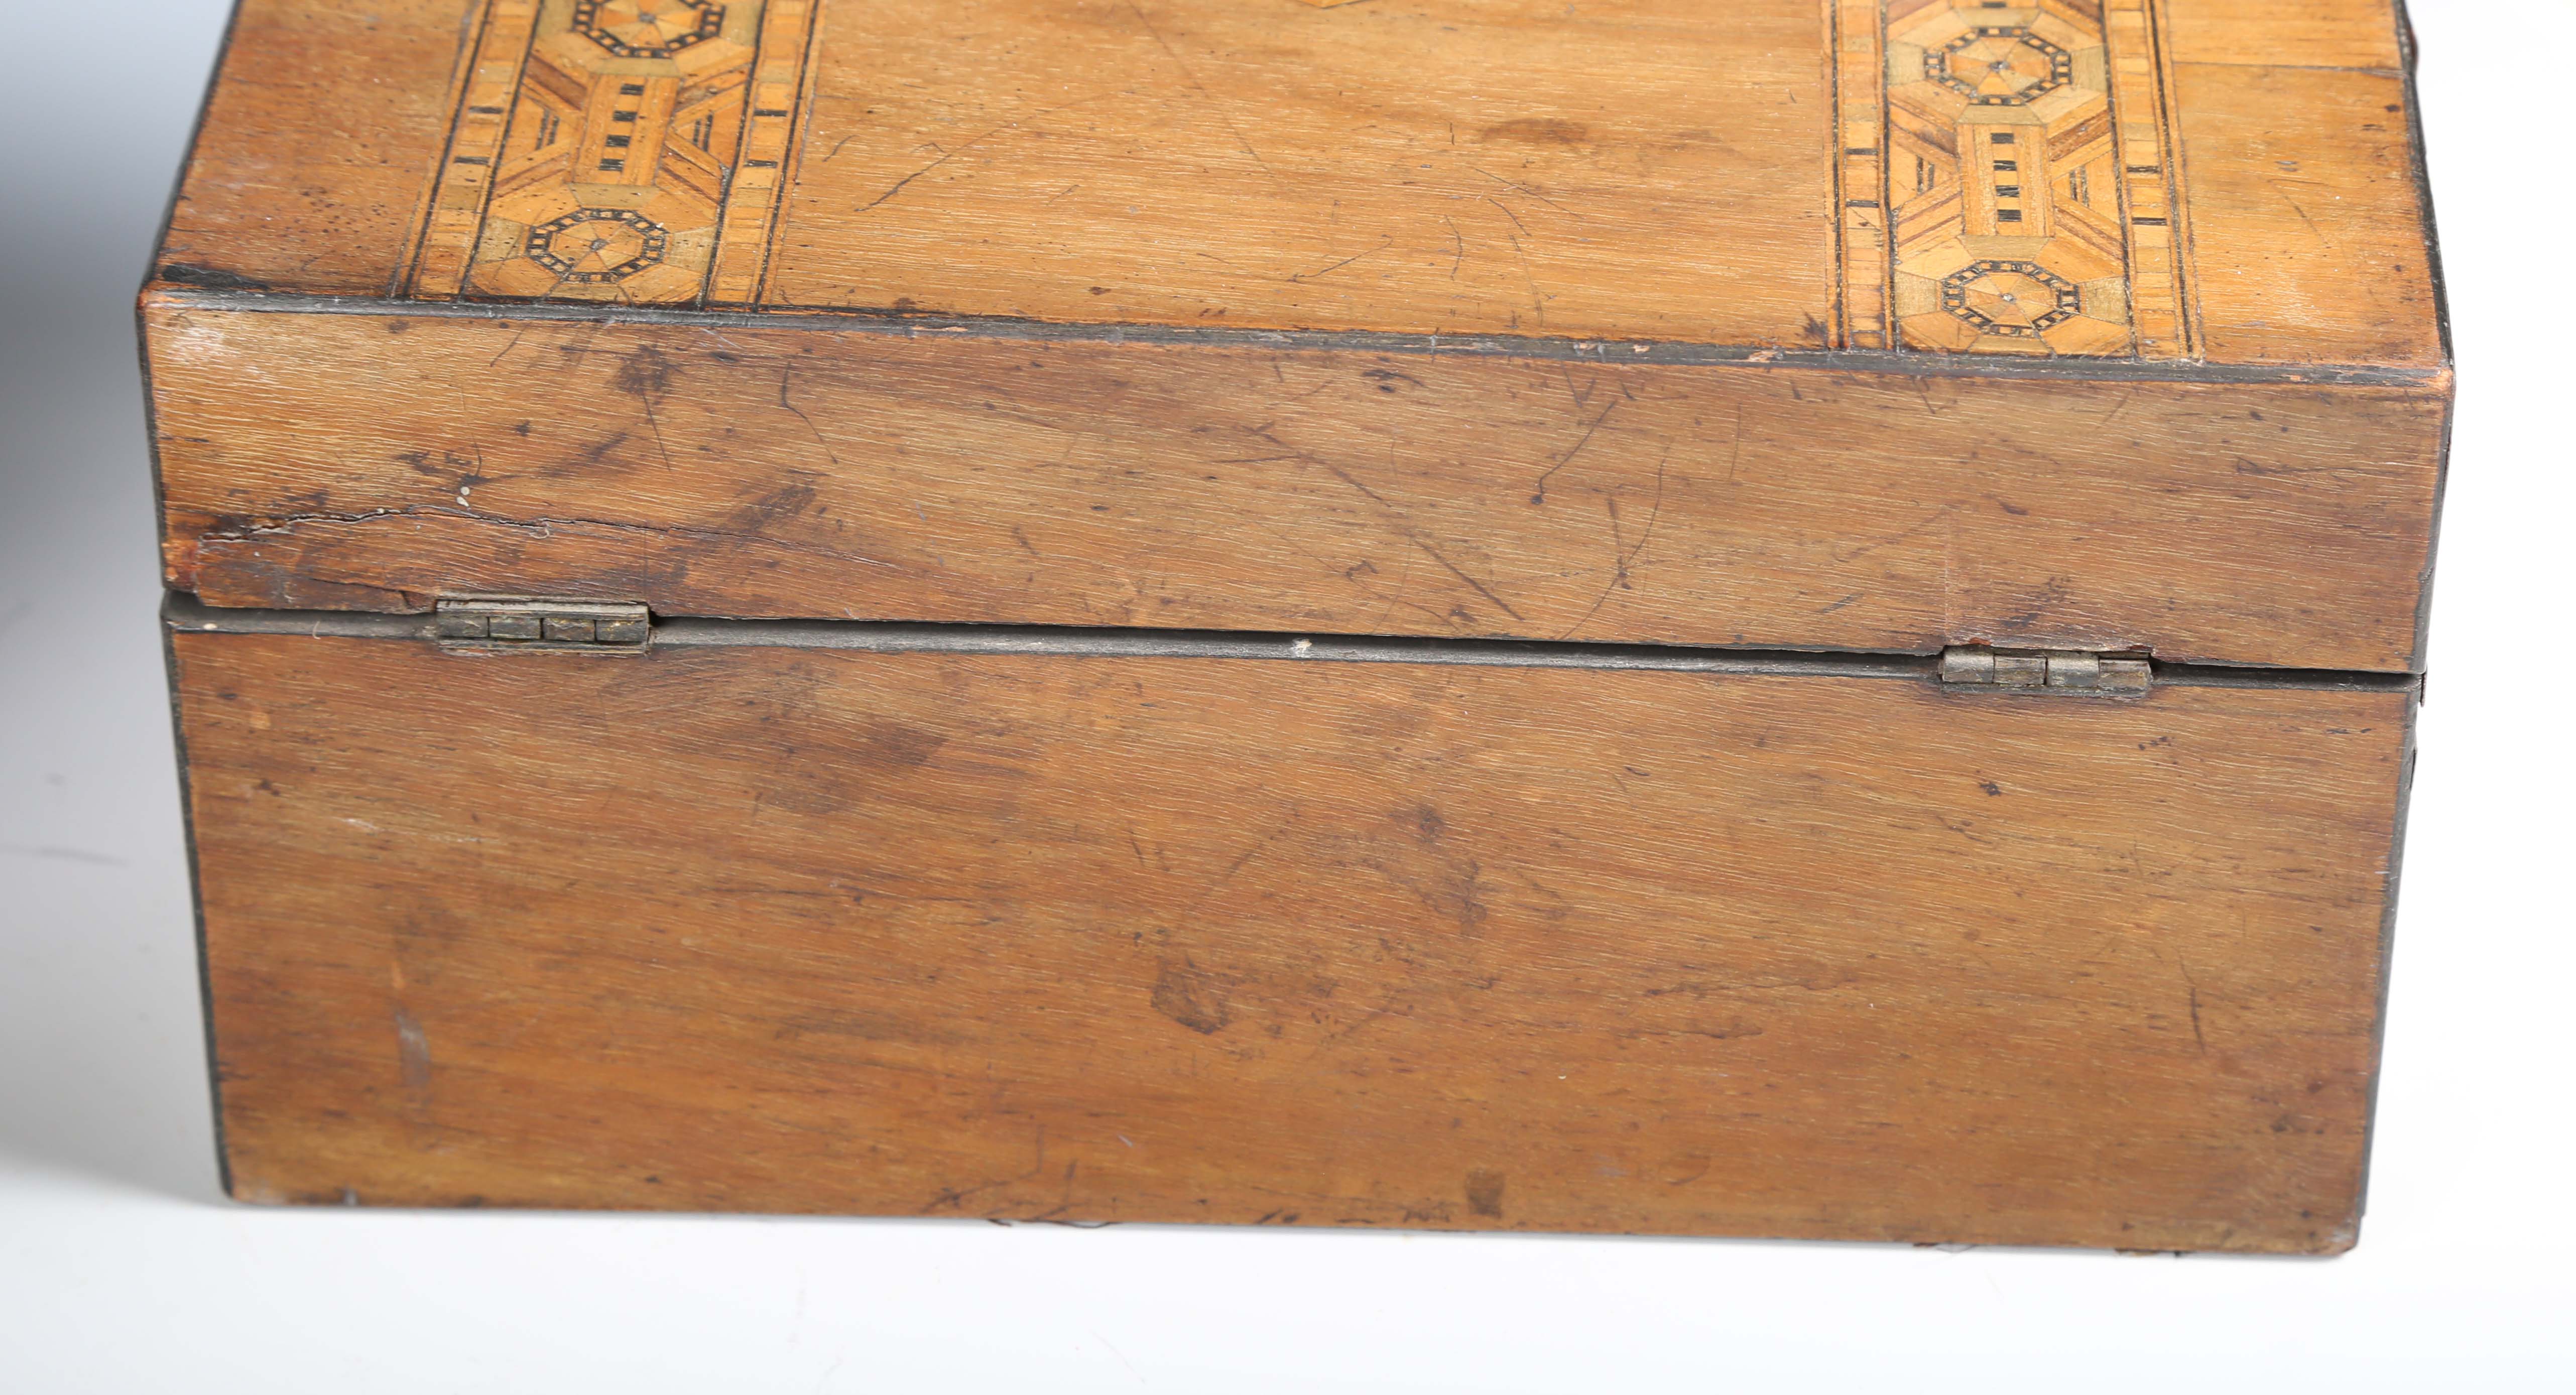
(528, 622)
(2077, 672)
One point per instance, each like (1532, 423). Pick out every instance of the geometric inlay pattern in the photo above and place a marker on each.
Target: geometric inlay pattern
(2000, 65)
(627, 150)
(2021, 299)
(595, 246)
(2004, 178)
(647, 28)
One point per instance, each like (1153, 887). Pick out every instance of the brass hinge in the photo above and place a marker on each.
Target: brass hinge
(523, 622)
(2073, 672)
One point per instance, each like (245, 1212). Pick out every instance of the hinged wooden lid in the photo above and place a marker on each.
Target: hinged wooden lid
(2080, 324)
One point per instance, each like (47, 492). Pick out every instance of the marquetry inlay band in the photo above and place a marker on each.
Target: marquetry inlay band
(2006, 179)
(619, 150)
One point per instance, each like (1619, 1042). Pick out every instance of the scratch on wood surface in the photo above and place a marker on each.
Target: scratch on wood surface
(1619, 576)
(2280, 187)
(1538, 303)
(1196, 86)
(1524, 189)
(1390, 598)
(1396, 516)
(2193, 987)
(953, 1197)
(1303, 276)
(947, 155)
(642, 374)
(784, 373)
(1539, 494)
(1921, 526)
(1435, 554)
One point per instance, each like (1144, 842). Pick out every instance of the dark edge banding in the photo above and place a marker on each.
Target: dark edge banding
(196, 134)
(2387, 957)
(1905, 364)
(2416, 658)
(169, 635)
(197, 905)
(1838, 264)
(2407, 55)
(183, 612)
(1890, 334)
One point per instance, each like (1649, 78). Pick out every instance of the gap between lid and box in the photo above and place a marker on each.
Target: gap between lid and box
(640, 631)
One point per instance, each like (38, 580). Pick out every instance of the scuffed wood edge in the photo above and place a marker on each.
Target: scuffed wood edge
(172, 297)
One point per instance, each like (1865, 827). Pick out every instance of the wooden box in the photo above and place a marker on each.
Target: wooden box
(1787, 618)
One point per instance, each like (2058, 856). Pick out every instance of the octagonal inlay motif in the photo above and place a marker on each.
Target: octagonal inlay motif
(2016, 299)
(647, 28)
(595, 246)
(2000, 65)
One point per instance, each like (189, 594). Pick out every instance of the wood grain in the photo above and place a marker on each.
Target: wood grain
(1626, 169)
(320, 137)
(1651, 169)
(373, 463)
(2287, 33)
(1161, 939)
(2307, 212)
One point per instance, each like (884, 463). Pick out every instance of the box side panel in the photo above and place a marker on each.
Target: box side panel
(1171, 939)
(360, 462)
(324, 129)
(2308, 226)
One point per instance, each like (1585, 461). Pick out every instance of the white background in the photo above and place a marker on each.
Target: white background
(122, 1270)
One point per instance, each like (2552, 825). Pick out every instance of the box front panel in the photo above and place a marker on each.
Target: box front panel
(372, 463)
(1192, 938)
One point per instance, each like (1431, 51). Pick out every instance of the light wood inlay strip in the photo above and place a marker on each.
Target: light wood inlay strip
(474, 148)
(761, 177)
(618, 150)
(2026, 154)
(1860, 74)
